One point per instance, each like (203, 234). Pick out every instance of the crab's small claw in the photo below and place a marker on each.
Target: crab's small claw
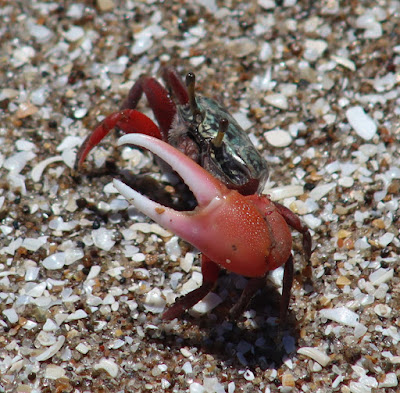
(225, 226)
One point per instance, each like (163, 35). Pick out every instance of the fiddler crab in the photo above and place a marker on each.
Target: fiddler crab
(233, 225)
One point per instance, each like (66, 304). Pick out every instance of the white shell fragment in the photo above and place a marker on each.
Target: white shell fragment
(102, 238)
(361, 123)
(314, 49)
(316, 354)
(108, 365)
(54, 372)
(11, 315)
(321, 190)
(154, 302)
(51, 351)
(381, 275)
(207, 304)
(277, 100)
(54, 261)
(38, 169)
(341, 315)
(383, 310)
(278, 138)
(279, 193)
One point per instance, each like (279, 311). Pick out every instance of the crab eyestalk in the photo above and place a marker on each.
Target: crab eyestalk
(191, 85)
(223, 127)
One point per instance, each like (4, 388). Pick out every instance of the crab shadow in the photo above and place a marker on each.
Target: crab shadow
(178, 197)
(255, 339)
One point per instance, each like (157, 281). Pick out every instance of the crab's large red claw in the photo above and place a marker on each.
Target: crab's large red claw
(225, 226)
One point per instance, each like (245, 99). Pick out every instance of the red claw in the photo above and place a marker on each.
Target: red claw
(229, 228)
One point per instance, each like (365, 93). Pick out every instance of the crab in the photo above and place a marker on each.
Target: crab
(234, 226)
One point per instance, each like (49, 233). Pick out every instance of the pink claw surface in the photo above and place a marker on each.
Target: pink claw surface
(225, 226)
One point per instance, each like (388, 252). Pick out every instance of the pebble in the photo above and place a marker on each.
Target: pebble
(266, 51)
(37, 290)
(11, 315)
(241, 47)
(17, 161)
(383, 310)
(362, 124)
(105, 5)
(386, 239)
(150, 228)
(360, 330)
(390, 381)
(321, 190)
(187, 368)
(344, 62)
(248, 375)
(38, 169)
(283, 192)
(46, 339)
(108, 365)
(51, 351)
(24, 145)
(195, 387)
(346, 182)
(288, 380)
(207, 304)
(21, 56)
(154, 302)
(312, 221)
(54, 261)
(341, 315)
(186, 263)
(316, 354)
(82, 348)
(49, 326)
(278, 138)
(143, 42)
(54, 372)
(277, 100)
(243, 120)
(368, 22)
(41, 33)
(78, 314)
(210, 5)
(314, 49)
(381, 275)
(31, 273)
(172, 248)
(267, 4)
(342, 281)
(33, 244)
(102, 238)
(74, 33)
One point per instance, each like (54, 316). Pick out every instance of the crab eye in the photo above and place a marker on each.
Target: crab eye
(191, 84)
(222, 128)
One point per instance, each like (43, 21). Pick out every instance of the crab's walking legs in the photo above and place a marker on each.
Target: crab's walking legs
(210, 272)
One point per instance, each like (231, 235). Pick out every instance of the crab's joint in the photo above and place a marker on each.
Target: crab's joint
(223, 127)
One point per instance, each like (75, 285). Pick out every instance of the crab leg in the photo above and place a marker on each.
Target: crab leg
(160, 102)
(128, 120)
(224, 226)
(210, 271)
